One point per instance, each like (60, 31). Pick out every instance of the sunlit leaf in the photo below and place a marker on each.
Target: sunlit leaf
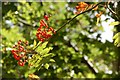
(33, 77)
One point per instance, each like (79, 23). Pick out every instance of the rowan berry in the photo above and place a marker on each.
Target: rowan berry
(43, 32)
(46, 17)
(17, 57)
(21, 63)
(19, 52)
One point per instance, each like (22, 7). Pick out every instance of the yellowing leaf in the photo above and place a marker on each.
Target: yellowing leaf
(114, 23)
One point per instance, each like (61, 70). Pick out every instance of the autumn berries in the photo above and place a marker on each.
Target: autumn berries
(81, 7)
(44, 32)
(19, 52)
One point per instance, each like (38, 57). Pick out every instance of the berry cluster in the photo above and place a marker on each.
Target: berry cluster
(44, 32)
(19, 52)
(81, 7)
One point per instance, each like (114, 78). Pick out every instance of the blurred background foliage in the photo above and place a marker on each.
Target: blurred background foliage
(76, 54)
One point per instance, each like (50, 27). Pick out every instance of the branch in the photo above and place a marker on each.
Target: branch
(22, 20)
(73, 19)
(113, 12)
(76, 16)
(70, 21)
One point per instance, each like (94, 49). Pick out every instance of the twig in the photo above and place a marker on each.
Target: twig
(113, 12)
(76, 16)
(70, 21)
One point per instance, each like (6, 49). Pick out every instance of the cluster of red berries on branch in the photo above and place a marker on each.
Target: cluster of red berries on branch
(82, 6)
(44, 32)
(19, 52)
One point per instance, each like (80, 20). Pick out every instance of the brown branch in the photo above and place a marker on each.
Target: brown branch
(76, 16)
(113, 12)
(72, 19)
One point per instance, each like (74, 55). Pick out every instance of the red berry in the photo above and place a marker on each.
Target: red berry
(16, 57)
(14, 52)
(46, 17)
(51, 28)
(20, 63)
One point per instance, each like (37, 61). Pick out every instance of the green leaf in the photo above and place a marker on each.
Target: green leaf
(46, 55)
(46, 66)
(117, 39)
(118, 45)
(39, 43)
(44, 45)
(35, 43)
(52, 60)
(116, 35)
(45, 51)
(114, 23)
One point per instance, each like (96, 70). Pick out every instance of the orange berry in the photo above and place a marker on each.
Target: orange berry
(77, 7)
(97, 15)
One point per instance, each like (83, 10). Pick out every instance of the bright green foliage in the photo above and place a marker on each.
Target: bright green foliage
(41, 57)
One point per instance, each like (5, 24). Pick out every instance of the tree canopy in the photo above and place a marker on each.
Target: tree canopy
(59, 40)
